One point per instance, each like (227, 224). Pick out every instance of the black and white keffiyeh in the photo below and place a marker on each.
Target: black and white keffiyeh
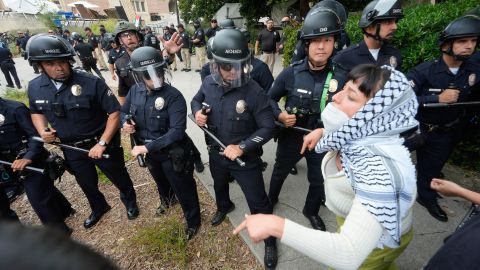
(376, 163)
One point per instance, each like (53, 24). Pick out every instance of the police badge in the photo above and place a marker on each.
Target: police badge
(393, 61)
(332, 87)
(76, 90)
(159, 103)
(241, 105)
(471, 79)
(2, 119)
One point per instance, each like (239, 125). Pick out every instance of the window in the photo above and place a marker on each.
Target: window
(139, 5)
(143, 6)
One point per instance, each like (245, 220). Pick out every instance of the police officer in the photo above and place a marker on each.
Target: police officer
(343, 41)
(185, 51)
(308, 85)
(126, 34)
(214, 28)
(241, 118)
(21, 44)
(259, 73)
(87, 55)
(447, 79)
(378, 23)
(150, 39)
(47, 201)
(113, 54)
(83, 112)
(199, 43)
(159, 112)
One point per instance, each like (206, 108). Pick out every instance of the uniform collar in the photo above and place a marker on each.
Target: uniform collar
(364, 49)
(304, 65)
(441, 66)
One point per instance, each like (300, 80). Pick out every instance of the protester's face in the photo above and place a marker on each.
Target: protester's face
(320, 49)
(213, 24)
(350, 99)
(269, 24)
(50, 32)
(464, 46)
(56, 69)
(130, 40)
(88, 32)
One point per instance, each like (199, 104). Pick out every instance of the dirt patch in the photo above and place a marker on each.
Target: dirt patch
(114, 236)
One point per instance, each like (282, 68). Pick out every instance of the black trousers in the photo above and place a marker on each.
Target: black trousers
(431, 158)
(171, 183)
(89, 64)
(7, 69)
(249, 178)
(5, 212)
(288, 154)
(87, 177)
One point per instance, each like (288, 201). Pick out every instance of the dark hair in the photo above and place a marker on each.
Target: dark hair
(371, 78)
(44, 249)
(87, 29)
(180, 26)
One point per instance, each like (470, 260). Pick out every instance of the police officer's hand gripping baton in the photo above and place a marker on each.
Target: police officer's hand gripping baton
(28, 168)
(238, 160)
(140, 158)
(66, 146)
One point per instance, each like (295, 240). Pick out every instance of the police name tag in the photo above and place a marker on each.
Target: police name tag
(435, 90)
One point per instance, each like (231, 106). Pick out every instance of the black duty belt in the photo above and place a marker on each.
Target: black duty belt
(83, 142)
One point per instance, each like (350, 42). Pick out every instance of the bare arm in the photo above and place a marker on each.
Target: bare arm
(449, 188)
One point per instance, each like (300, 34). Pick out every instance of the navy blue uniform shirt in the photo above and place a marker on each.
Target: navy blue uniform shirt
(185, 39)
(16, 125)
(159, 116)
(86, 112)
(284, 85)
(359, 54)
(252, 123)
(260, 73)
(200, 34)
(113, 54)
(429, 79)
(5, 55)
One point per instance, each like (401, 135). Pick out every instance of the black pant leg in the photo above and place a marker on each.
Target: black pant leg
(114, 168)
(13, 71)
(186, 190)
(165, 190)
(250, 179)
(87, 178)
(6, 73)
(287, 155)
(5, 210)
(431, 158)
(220, 175)
(316, 191)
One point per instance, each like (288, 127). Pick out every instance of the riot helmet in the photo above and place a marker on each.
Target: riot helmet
(196, 24)
(230, 65)
(379, 10)
(463, 27)
(227, 24)
(148, 67)
(334, 5)
(320, 22)
(209, 48)
(77, 37)
(124, 26)
(42, 47)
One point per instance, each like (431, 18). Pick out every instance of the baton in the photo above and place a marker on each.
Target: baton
(140, 158)
(447, 105)
(238, 160)
(66, 146)
(306, 130)
(33, 169)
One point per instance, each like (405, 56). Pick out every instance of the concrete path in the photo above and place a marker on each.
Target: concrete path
(429, 233)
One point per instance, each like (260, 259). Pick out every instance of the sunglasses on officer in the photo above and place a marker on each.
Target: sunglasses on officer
(225, 66)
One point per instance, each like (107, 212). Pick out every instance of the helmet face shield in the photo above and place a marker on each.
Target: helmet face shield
(231, 73)
(152, 76)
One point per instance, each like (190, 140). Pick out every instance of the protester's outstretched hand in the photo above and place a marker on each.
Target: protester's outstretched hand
(260, 226)
(174, 44)
(446, 187)
(311, 139)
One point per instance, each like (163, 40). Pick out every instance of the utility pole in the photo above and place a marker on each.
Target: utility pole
(178, 14)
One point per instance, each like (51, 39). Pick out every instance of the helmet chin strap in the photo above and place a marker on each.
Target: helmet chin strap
(377, 34)
(59, 80)
(456, 57)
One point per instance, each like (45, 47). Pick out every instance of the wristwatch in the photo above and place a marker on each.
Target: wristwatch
(242, 146)
(102, 143)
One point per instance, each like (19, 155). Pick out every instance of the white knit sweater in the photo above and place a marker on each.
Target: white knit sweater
(359, 235)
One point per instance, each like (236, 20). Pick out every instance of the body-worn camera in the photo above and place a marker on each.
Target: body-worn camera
(58, 109)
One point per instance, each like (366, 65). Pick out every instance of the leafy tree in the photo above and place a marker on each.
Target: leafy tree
(194, 9)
